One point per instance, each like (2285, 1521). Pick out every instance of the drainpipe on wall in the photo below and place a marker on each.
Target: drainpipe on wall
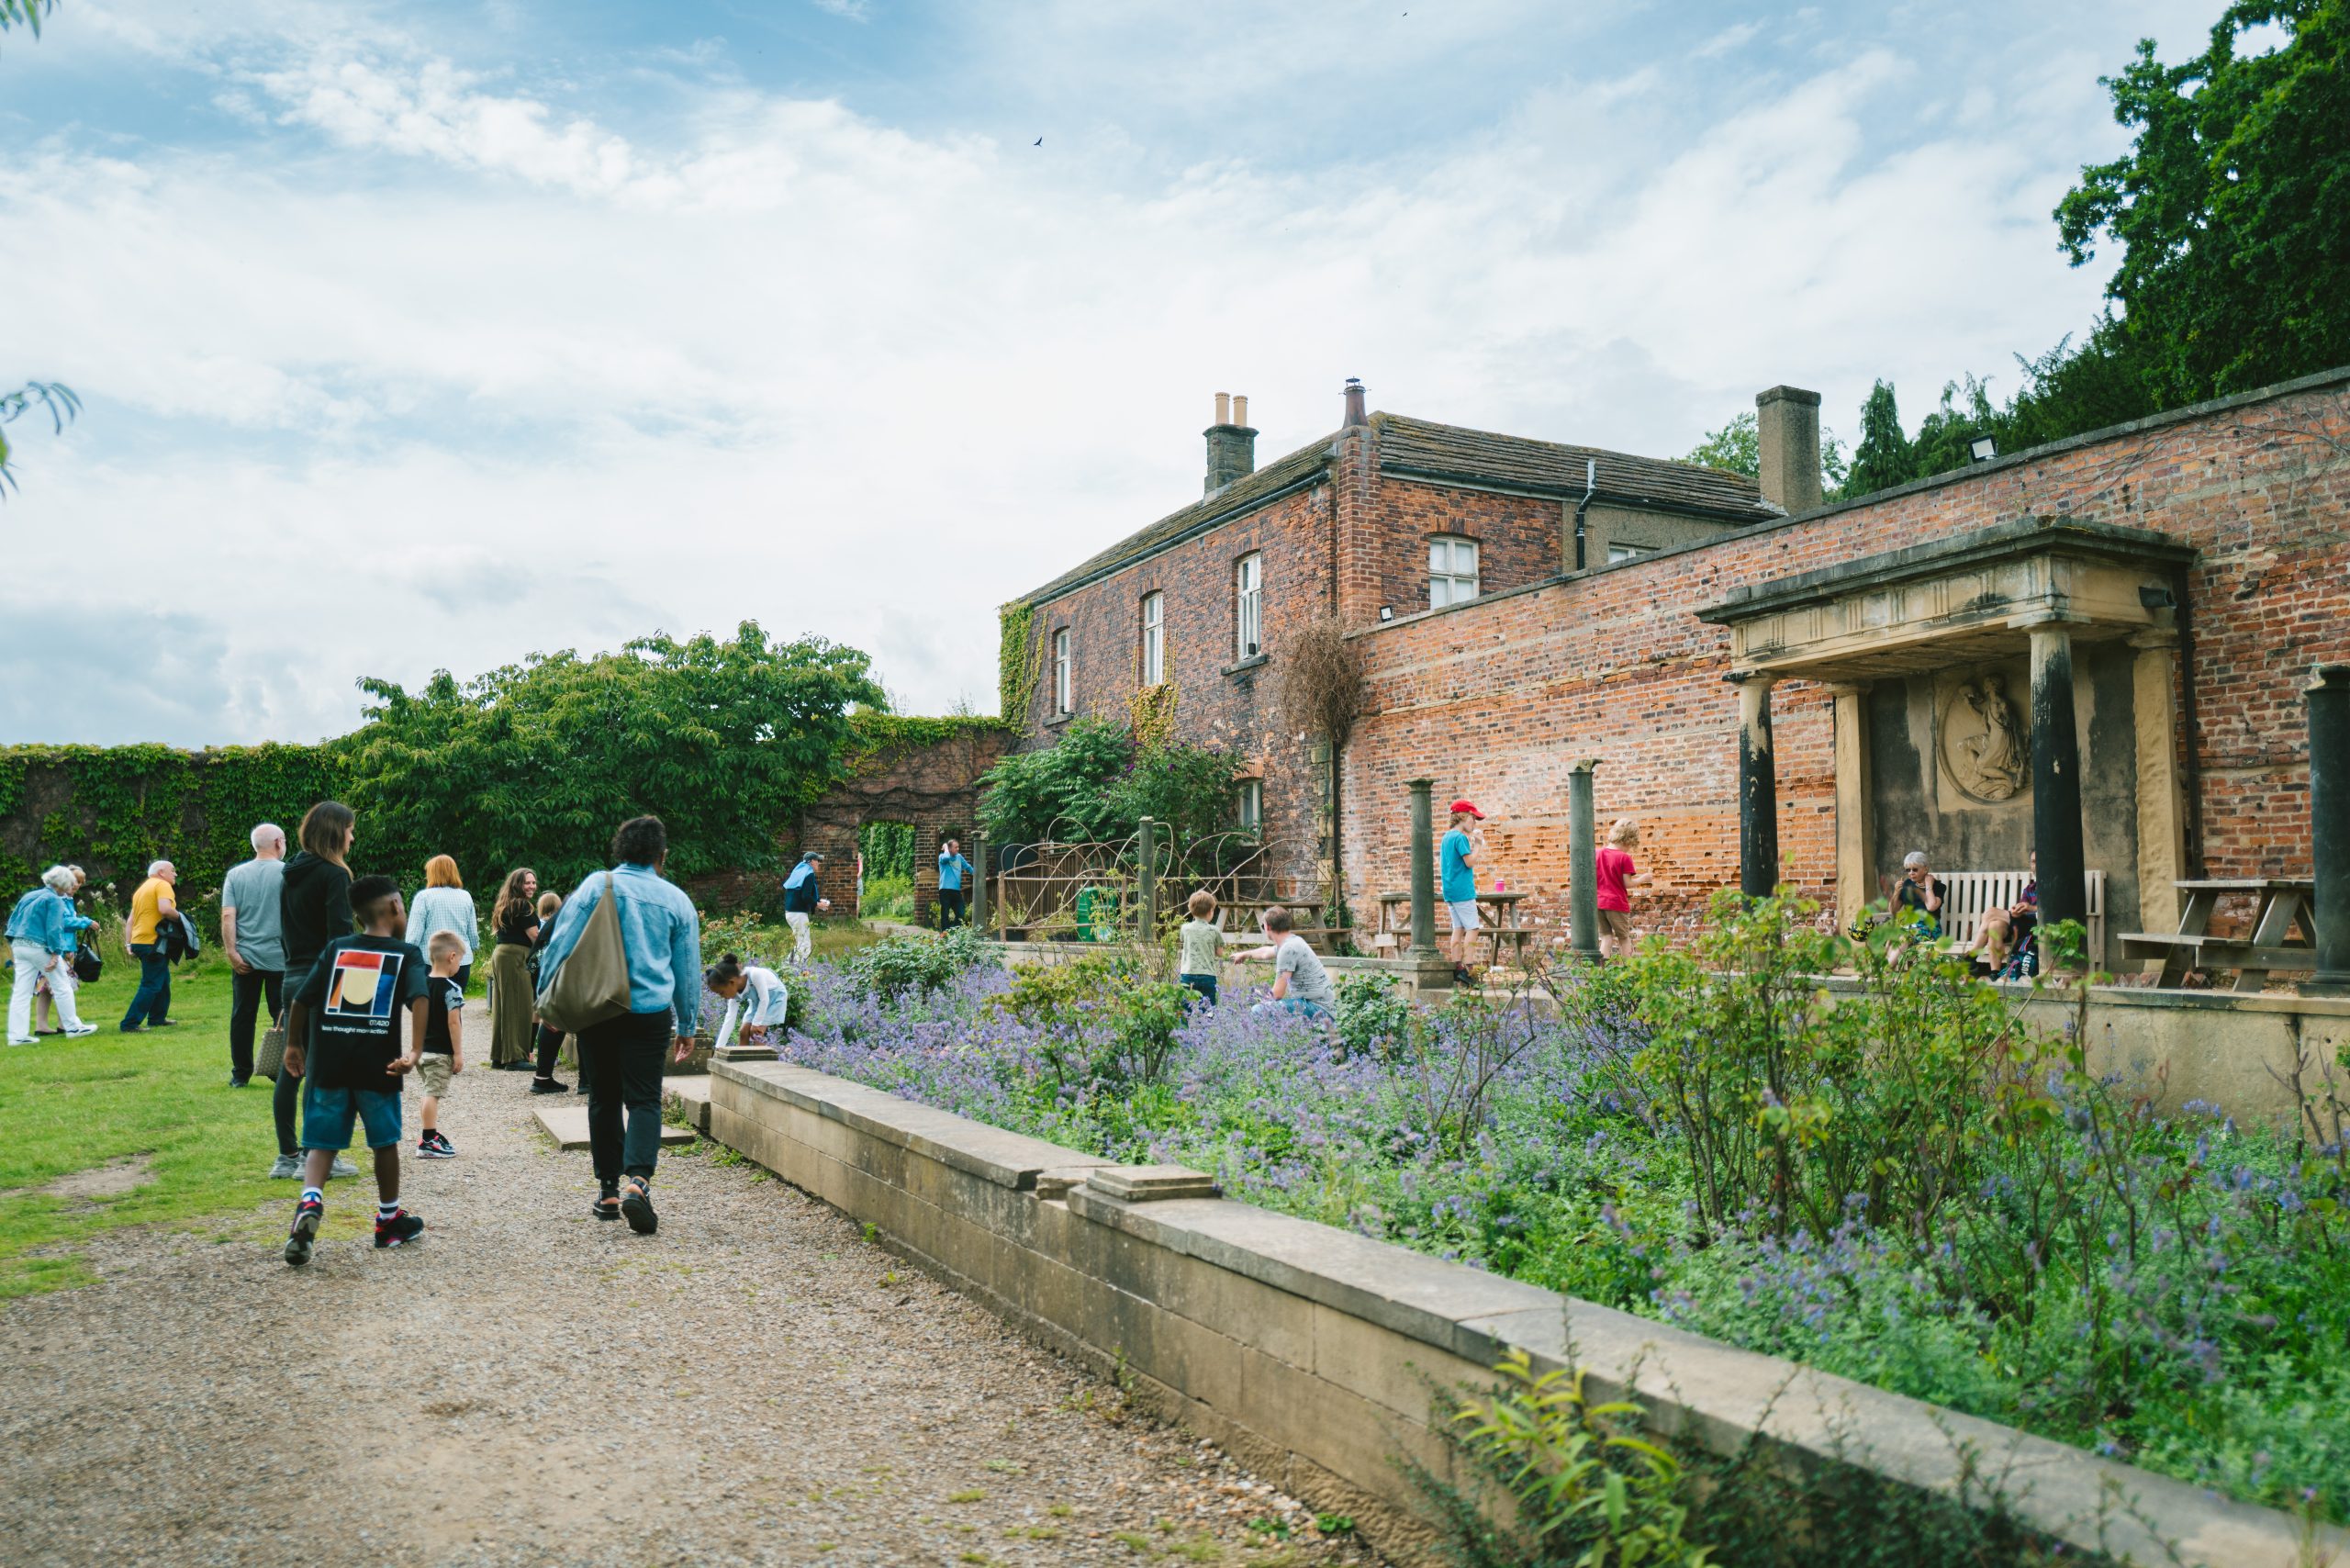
(1590, 488)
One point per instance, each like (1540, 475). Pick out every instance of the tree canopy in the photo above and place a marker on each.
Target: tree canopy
(536, 764)
(1095, 785)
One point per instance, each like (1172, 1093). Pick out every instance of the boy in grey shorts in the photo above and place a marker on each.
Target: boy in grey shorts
(443, 1053)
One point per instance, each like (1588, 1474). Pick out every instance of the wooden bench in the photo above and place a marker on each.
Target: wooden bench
(2281, 906)
(1970, 894)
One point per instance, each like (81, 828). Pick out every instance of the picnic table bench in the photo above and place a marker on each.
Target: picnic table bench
(2281, 906)
(1501, 931)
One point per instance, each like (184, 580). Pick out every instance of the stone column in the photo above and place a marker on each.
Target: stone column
(2056, 776)
(1582, 864)
(1431, 970)
(1147, 882)
(2328, 696)
(979, 905)
(2162, 814)
(1856, 829)
(1758, 788)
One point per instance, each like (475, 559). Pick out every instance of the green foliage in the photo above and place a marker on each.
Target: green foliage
(886, 898)
(913, 964)
(537, 762)
(134, 804)
(54, 398)
(1117, 986)
(1020, 662)
(1090, 786)
(888, 851)
(2232, 207)
(1373, 1017)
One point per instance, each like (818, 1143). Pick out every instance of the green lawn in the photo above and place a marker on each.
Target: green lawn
(161, 1097)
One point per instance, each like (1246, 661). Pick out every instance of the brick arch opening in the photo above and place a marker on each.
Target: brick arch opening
(932, 784)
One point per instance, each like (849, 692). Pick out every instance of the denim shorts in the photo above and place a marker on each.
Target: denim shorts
(326, 1115)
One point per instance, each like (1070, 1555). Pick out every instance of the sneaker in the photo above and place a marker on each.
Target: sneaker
(432, 1146)
(26, 1042)
(287, 1168)
(304, 1238)
(547, 1086)
(79, 1030)
(342, 1167)
(397, 1231)
(636, 1206)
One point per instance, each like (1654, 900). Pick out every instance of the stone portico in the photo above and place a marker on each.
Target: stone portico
(2011, 689)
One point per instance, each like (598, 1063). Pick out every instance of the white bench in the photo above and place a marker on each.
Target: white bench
(1972, 892)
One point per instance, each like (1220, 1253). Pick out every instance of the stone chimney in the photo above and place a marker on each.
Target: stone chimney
(1232, 446)
(1786, 426)
(1354, 415)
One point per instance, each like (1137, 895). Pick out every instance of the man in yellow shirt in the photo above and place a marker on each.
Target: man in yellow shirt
(150, 907)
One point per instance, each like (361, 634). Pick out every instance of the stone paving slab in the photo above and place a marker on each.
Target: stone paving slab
(567, 1125)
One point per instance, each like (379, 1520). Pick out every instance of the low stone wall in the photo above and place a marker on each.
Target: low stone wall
(1307, 1353)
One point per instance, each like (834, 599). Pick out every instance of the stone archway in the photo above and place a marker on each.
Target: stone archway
(927, 779)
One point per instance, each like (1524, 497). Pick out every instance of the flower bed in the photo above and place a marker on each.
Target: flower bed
(1904, 1188)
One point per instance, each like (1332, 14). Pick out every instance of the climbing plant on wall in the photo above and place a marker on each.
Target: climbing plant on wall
(1020, 662)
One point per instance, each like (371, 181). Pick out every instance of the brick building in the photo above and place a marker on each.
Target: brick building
(2183, 573)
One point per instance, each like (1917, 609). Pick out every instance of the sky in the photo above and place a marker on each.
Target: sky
(415, 338)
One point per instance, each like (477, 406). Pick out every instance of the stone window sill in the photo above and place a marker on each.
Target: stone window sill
(1055, 721)
(1242, 667)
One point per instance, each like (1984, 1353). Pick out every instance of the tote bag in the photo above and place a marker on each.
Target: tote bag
(591, 983)
(270, 1059)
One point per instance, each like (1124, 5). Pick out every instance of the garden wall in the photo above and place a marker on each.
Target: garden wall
(1307, 1353)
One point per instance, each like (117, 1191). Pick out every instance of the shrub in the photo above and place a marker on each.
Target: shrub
(1373, 1017)
(916, 963)
(888, 897)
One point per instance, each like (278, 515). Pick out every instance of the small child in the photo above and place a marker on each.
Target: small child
(1614, 871)
(1202, 943)
(551, 1038)
(444, 1056)
(348, 1006)
(768, 1006)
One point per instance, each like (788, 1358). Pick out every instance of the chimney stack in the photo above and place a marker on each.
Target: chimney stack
(1786, 426)
(1354, 415)
(1232, 446)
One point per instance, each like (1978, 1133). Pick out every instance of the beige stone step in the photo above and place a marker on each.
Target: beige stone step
(689, 1097)
(567, 1125)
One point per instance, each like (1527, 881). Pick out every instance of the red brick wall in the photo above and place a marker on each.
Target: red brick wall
(1499, 699)
(1517, 544)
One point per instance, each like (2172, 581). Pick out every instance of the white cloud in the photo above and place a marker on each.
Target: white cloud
(442, 367)
(1728, 39)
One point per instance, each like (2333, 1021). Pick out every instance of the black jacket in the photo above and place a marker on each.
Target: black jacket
(313, 910)
(802, 900)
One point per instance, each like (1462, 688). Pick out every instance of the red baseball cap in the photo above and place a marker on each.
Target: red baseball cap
(1469, 807)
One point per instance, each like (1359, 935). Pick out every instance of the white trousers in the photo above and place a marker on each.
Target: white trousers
(801, 944)
(33, 961)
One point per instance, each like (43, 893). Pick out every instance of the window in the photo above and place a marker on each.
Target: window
(1064, 688)
(1619, 553)
(1452, 572)
(1252, 804)
(1154, 638)
(1249, 604)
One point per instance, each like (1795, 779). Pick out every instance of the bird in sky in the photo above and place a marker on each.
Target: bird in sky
(1040, 141)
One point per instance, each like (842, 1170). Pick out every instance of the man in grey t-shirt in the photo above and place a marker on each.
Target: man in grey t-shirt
(253, 935)
(1300, 982)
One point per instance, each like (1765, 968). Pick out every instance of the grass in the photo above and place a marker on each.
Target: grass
(161, 1097)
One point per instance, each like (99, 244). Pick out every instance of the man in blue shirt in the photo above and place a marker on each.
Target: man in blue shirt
(620, 1058)
(953, 905)
(803, 898)
(1457, 880)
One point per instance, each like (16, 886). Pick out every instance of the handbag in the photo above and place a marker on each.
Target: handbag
(269, 1057)
(88, 964)
(591, 982)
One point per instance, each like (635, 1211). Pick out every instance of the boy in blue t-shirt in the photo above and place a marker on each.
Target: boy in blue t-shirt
(1457, 880)
(342, 1041)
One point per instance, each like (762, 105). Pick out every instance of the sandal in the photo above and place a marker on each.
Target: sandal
(636, 1204)
(607, 1205)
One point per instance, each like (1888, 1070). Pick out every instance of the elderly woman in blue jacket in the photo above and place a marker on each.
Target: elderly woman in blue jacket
(42, 939)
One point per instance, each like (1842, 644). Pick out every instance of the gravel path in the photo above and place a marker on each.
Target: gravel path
(755, 1384)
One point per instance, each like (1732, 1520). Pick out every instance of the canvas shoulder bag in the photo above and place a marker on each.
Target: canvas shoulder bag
(591, 983)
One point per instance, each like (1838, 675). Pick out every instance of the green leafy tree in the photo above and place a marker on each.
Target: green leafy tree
(2232, 207)
(1882, 460)
(1094, 785)
(536, 763)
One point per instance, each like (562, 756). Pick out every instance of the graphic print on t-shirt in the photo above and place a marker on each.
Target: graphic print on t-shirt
(363, 989)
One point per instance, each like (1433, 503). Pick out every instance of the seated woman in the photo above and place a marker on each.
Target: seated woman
(1993, 947)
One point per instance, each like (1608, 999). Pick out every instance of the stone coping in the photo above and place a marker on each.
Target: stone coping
(1698, 1389)
(2169, 997)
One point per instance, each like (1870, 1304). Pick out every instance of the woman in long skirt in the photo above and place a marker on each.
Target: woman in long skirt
(513, 1032)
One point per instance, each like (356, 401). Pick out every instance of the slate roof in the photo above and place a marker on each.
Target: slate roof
(1409, 447)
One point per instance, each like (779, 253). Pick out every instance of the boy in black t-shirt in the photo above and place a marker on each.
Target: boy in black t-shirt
(356, 993)
(443, 1055)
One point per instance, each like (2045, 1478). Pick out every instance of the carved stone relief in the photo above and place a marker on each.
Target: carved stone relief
(1986, 744)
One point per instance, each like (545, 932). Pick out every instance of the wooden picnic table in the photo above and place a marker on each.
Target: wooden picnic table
(1500, 931)
(2281, 907)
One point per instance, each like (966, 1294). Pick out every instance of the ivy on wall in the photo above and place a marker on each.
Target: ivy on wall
(121, 807)
(876, 737)
(1020, 661)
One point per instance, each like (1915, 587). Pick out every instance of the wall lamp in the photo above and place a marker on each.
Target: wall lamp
(1983, 448)
(1387, 612)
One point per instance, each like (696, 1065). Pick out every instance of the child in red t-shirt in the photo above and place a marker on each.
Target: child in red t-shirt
(1616, 869)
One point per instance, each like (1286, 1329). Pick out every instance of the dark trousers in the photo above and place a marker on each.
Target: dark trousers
(954, 908)
(245, 993)
(620, 1060)
(1204, 984)
(550, 1042)
(152, 1002)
